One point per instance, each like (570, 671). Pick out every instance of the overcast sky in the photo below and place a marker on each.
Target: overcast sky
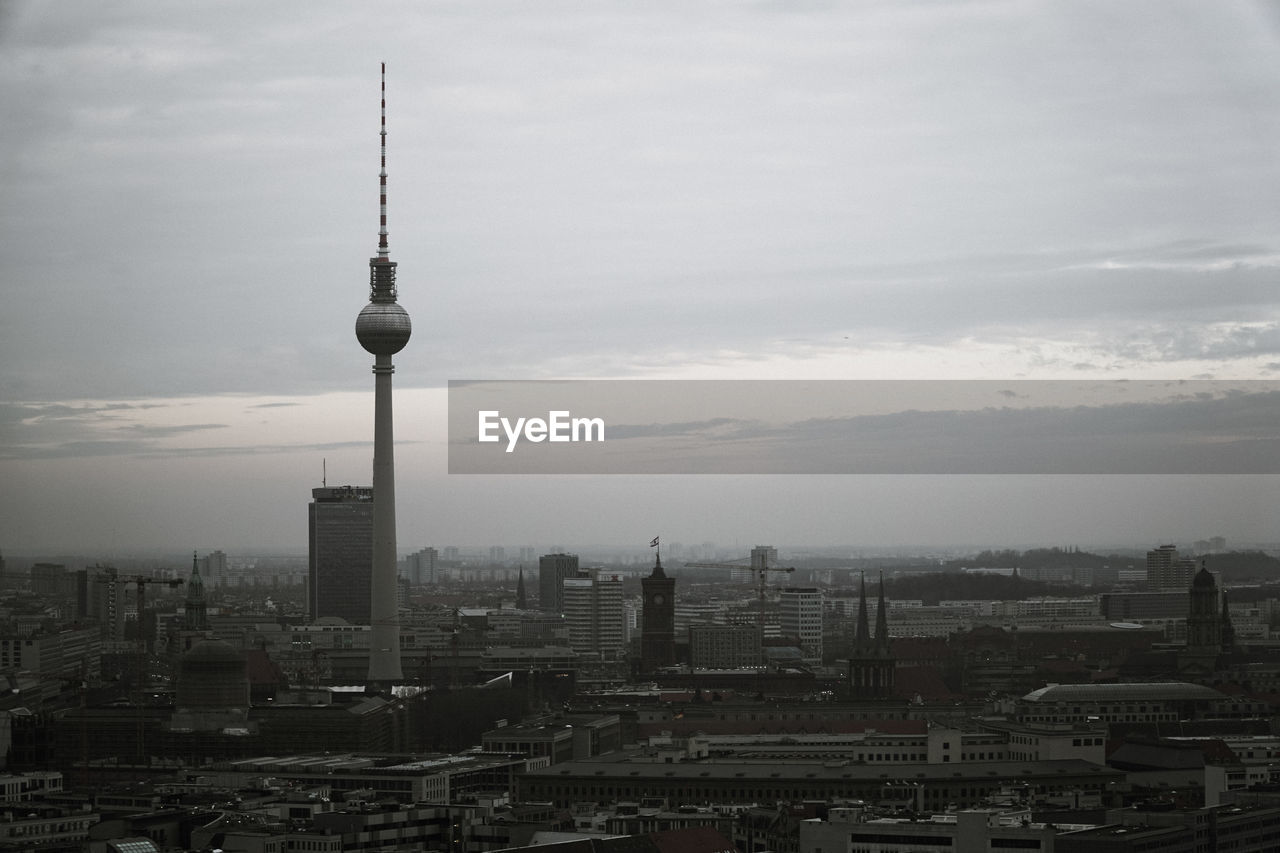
(737, 190)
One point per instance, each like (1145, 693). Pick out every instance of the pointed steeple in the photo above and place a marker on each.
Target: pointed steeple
(862, 637)
(882, 622)
(522, 601)
(197, 618)
(1228, 630)
(657, 567)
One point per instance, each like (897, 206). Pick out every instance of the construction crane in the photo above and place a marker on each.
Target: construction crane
(109, 576)
(759, 563)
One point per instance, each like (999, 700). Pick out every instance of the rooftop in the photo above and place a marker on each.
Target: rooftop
(1152, 691)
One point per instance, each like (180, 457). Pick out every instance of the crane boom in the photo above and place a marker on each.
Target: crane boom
(759, 563)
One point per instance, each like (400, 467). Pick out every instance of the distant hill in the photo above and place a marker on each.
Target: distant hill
(1235, 566)
(956, 586)
(1046, 558)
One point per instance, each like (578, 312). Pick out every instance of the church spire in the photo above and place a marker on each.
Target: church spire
(862, 638)
(197, 618)
(1228, 630)
(882, 622)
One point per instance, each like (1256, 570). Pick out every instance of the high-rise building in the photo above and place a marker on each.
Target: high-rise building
(1167, 569)
(658, 619)
(553, 569)
(421, 567)
(593, 611)
(383, 329)
(800, 616)
(101, 597)
(213, 568)
(340, 552)
(497, 554)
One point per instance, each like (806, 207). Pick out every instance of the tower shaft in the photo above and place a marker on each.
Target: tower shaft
(384, 651)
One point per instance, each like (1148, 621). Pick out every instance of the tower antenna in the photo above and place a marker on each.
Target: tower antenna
(383, 251)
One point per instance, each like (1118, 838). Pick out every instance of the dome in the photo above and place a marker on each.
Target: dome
(383, 328)
(212, 675)
(1203, 580)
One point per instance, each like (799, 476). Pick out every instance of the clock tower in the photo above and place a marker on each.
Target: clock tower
(658, 620)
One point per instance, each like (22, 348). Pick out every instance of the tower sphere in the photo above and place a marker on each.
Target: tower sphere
(383, 328)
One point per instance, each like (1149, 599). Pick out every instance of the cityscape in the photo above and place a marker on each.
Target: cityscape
(248, 604)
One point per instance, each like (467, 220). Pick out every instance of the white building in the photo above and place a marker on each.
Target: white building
(801, 616)
(594, 611)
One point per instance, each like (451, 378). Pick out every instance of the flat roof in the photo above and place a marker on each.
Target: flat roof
(1152, 691)
(1003, 771)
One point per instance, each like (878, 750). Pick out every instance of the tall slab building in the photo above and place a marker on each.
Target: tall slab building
(340, 552)
(553, 570)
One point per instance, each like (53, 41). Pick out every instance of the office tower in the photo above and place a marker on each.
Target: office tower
(1166, 569)
(800, 616)
(594, 613)
(871, 664)
(552, 571)
(340, 552)
(658, 619)
(383, 329)
(497, 554)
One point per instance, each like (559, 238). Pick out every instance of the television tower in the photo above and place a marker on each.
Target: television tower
(383, 329)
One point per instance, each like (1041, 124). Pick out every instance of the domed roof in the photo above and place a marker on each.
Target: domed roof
(1203, 580)
(213, 651)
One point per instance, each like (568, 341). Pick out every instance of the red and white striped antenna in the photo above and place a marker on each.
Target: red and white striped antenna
(383, 251)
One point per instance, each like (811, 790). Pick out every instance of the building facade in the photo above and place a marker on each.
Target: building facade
(725, 646)
(421, 566)
(1167, 569)
(340, 553)
(800, 616)
(553, 569)
(594, 613)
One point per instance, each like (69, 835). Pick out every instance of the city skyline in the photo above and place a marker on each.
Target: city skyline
(884, 192)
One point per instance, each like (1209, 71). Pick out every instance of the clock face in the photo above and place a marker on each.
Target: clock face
(659, 599)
